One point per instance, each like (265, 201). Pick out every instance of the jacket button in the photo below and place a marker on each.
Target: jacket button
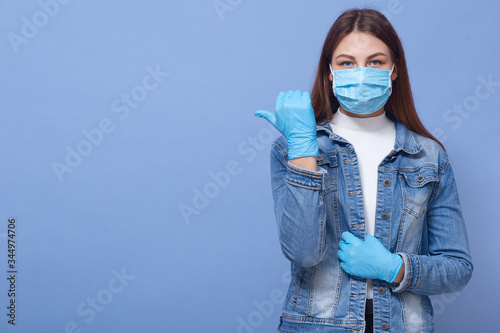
(384, 216)
(387, 182)
(384, 326)
(420, 179)
(319, 158)
(381, 290)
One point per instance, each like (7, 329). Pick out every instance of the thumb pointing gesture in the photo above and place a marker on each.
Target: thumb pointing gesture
(269, 116)
(294, 118)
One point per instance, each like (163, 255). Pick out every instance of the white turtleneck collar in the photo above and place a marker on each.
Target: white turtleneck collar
(367, 124)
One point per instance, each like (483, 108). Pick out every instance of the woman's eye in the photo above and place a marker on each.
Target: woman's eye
(374, 62)
(347, 63)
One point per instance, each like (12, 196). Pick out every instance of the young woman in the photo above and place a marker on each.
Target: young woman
(365, 197)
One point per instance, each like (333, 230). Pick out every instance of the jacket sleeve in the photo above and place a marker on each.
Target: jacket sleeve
(298, 207)
(447, 267)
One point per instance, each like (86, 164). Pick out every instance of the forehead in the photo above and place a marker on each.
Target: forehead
(360, 44)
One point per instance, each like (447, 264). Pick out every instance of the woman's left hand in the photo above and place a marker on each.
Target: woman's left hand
(368, 259)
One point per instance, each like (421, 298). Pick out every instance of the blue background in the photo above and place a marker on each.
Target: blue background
(218, 266)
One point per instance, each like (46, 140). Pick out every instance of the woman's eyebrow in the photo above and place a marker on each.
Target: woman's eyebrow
(345, 56)
(377, 54)
(352, 58)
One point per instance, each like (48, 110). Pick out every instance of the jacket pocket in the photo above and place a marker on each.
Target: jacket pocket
(417, 187)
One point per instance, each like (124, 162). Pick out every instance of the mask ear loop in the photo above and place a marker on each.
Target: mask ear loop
(390, 80)
(333, 80)
(390, 73)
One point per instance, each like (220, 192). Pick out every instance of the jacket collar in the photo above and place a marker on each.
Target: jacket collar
(406, 140)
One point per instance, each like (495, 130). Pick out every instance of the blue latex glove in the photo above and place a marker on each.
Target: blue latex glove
(294, 118)
(368, 259)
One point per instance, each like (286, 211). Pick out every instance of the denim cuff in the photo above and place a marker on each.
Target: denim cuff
(411, 276)
(305, 178)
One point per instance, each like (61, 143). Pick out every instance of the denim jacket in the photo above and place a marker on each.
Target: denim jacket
(418, 216)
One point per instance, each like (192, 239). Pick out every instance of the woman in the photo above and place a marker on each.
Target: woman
(365, 198)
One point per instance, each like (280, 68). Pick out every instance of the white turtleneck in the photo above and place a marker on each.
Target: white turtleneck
(373, 138)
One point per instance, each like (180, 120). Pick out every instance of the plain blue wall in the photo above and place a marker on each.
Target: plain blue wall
(121, 240)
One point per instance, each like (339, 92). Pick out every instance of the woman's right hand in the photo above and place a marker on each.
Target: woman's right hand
(294, 118)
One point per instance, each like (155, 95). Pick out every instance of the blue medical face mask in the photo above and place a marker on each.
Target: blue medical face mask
(362, 90)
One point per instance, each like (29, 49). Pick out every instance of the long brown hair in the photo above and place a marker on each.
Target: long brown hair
(400, 104)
